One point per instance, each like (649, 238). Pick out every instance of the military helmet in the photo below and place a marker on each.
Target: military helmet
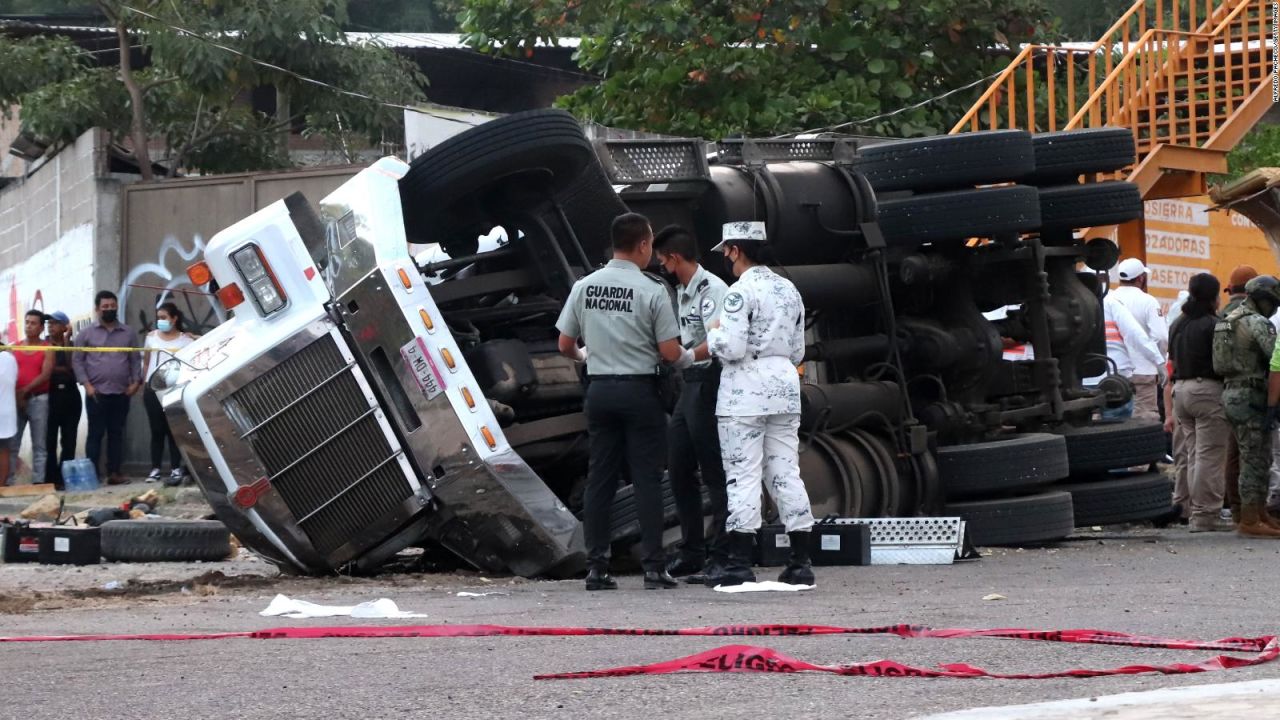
(1264, 288)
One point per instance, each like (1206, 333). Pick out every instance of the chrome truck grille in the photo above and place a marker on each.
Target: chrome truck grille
(325, 453)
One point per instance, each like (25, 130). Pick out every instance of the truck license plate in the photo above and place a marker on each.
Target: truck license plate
(419, 360)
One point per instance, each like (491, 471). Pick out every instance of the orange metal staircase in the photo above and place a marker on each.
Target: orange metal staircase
(1189, 78)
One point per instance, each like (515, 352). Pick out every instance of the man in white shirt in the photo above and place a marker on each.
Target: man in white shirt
(1127, 344)
(1148, 372)
(8, 410)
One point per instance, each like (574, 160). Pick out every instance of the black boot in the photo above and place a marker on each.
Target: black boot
(659, 580)
(799, 570)
(685, 564)
(716, 558)
(737, 568)
(599, 580)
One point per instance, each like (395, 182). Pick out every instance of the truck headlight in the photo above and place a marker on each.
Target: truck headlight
(165, 376)
(262, 283)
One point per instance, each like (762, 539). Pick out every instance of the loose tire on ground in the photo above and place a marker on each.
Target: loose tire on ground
(1076, 206)
(1021, 462)
(1016, 521)
(1120, 499)
(165, 541)
(949, 161)
(1065, 155)
(959, 214)
(439, 192)
(1114, 445)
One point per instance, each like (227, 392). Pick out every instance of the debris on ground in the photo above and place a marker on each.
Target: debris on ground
(46, 509)
(994, 596)
(764, 586)
(284, 606)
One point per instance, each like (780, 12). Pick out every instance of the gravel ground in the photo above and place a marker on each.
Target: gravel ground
(1163, 583)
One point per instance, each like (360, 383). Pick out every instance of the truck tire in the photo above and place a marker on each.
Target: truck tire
(1065, 155)
(1026, 520)
(165, 541)
(624, 523)
(948, 162)
(1120, 500)
(590, 204)
(1067, 207)
(959, 214)
(1114, 445)
(1018, 463)
(439, 193)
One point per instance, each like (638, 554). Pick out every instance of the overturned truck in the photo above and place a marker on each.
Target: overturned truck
(361, 401)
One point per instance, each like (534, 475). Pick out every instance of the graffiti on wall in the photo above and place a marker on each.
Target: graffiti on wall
(150, 284)
(59, 277)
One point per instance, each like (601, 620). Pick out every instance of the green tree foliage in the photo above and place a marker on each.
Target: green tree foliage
(720, 67)
(402, 16)
(1087, 20)
(1259, 149)
(194, 94)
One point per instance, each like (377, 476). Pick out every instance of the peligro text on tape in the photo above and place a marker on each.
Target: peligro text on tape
(746, 658)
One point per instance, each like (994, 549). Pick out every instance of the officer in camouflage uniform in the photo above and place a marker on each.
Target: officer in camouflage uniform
(760, 340)
(1243, 344)
(626, 321)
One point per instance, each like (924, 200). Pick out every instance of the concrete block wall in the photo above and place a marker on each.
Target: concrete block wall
(59, 239)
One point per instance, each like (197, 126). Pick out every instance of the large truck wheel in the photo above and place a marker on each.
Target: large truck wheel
(165, 541)
(441, 193)
(1029, 520)
(1021, 462)
(1120, 500)
(949, 161)
(1114, 445)
(1067, 207)
(959, 214)
(1063, 156)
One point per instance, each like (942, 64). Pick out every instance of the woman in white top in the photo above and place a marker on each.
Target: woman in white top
(161, 342)
(8, 410)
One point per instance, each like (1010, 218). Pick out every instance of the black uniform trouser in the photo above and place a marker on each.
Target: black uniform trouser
(65, 408)
(694, 444)
(625, 425)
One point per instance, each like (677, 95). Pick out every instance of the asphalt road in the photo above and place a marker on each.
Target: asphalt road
(1169, 583)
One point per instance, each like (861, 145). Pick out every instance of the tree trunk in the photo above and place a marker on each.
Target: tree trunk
(141, 150)
(282, 116)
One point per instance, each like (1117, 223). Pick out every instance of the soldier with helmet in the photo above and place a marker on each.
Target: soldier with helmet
(1243, 345)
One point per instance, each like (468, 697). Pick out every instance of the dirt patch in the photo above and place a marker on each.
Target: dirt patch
(203, 585)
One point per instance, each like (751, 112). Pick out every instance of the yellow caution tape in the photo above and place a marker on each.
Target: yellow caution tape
(59, 348)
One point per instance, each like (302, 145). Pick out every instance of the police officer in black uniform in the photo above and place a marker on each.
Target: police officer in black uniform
(626, 322)
(694, 442)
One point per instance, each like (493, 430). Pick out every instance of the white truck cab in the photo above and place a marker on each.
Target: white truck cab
(333, 420)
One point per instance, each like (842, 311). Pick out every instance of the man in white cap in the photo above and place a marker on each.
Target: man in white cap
(759, 340)
(1147, 376)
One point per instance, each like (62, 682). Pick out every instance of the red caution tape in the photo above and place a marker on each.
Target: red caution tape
(746, 658)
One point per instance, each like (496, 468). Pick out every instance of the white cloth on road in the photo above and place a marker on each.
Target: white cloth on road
(763, 449)
(283, 606)
(763, 586)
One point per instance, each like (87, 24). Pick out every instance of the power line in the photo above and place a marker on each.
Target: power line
(882, 116)
(286, 71)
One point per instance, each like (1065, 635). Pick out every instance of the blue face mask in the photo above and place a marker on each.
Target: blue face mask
(164, 325)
